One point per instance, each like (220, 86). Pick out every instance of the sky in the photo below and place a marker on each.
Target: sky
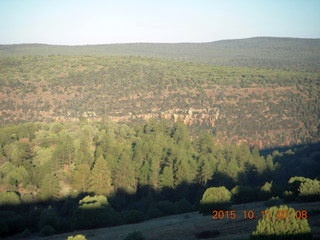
(81, 22)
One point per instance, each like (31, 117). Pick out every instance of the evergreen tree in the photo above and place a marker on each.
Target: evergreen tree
(205, 170)
(100, 177)
(123, 174)
(64, 152)
(80, 177)
(218, 198)
(281, 223)
(49, 187)
(166, 178)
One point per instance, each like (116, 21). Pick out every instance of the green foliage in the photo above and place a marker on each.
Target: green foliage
(305, 189)
(49, 217)
(97, 201)
(274, 201)
(146, 170)
(244, 194)
(166, 178)
(136, 235)
(183, 206)
(310, 190)
(190, 91)
(100, 177)
(266, 191)
(287, 227)
(215, 198)
(49, 188)
(80, 178)
(47, 231)
(94, 212)
(9, 198)
(133, 216)
(10, 223)
(77, 237)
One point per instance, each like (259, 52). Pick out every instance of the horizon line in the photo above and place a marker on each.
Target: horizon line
(123, 43)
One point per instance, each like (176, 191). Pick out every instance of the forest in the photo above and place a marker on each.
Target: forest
(260, 107)
(106, 135)
(60, 177)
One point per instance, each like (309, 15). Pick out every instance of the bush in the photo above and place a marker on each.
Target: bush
(47, 231)
(305, 189)
(276, 224)
(244, 194)
(274, 201)
(9, 198)
(288, 196)
(166, 207)
(11, 223)
(265, 191)
(183, 206)
(154, 212)
(134, 236)
(309, 190)
(215, 198)
(133, 216)
(77, 237)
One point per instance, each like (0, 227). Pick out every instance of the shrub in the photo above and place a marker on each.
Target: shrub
(274, 201)
(215, 198)
(244, 194)
(47, 231)
(166, 207)
(309, 190)
(288, 196)
(10, 223)
(305, 189)
(265, 191)
(183, 206)
(281, 223)
(77, 237)
(133, 216)
(134, 236)
(154, 212)
(9, 198)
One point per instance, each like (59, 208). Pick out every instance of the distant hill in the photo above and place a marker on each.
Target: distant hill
(261, 107)
(261, 52)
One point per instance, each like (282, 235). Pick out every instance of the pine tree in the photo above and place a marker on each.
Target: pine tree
(123, 175)
(49, 187)
(80, 178)
(166, 178)
(100, 177)
(282, 223)
(205, 170)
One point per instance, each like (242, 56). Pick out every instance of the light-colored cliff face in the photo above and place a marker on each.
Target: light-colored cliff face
(191, 116)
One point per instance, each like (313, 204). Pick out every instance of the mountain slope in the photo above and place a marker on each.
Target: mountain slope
(261, 107)
(267, 52)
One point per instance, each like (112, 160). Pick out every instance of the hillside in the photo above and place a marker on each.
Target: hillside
(190, 225)
(260, 107)
(261, 52)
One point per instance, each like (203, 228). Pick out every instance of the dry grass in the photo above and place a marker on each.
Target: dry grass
(186, 226)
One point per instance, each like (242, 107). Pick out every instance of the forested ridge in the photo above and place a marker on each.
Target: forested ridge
(257, 106)
(291, 54)
(95, 136)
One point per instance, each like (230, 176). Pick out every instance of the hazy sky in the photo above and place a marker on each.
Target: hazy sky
(74, 22)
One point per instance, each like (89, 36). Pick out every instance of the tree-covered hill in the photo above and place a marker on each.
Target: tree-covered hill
(257, 106)
(267, 52)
